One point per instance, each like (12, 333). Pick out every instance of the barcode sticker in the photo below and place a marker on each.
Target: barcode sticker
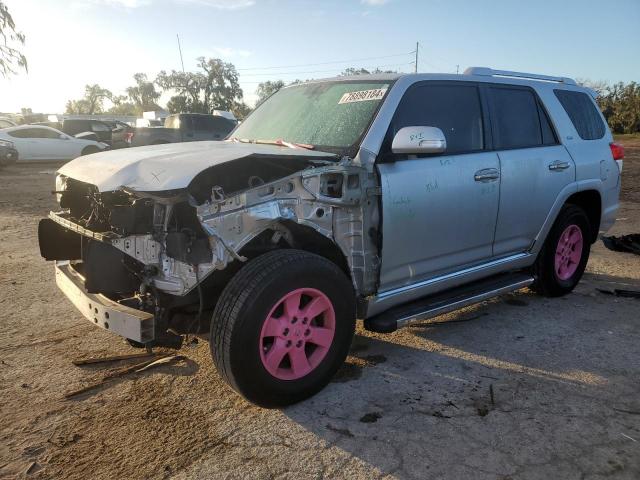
(363, 96)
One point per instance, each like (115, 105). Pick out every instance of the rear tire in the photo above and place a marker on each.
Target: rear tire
(282, 327)
(563, 258)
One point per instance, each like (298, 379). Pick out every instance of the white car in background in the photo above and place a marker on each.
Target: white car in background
(6, 122)
(37, 142)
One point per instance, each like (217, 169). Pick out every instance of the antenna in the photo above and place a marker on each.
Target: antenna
(180, 50)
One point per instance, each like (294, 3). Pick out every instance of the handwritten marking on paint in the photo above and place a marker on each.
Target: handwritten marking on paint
(432, 186)
(362, 96)
(416, 136)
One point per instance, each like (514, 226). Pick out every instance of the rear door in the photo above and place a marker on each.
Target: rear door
(439, 211)
(534, 166)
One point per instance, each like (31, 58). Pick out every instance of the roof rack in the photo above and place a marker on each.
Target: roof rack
(489, 72)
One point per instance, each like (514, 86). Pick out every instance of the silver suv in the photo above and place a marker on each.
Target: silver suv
(390, 198)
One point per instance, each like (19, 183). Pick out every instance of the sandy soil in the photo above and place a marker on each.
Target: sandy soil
(518, 387)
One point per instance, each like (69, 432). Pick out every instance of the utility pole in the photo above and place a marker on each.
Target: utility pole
(416, 64)
(457, 69)
(180, 50)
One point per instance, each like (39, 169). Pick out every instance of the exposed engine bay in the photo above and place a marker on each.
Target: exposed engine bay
(171, 252)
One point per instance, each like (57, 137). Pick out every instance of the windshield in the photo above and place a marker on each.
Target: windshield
(330, 115)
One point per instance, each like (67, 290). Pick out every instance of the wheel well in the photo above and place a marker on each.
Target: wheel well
(590, 202)
(301, 237)
(89, 149)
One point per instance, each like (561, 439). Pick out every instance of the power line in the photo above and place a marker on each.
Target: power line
(326, 63)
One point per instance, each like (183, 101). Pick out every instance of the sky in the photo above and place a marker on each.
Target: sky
(71, 43)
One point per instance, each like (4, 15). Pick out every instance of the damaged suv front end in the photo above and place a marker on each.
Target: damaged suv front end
(146, 239)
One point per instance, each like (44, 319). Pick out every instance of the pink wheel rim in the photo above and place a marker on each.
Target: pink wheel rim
(297, 334)
(568, 252)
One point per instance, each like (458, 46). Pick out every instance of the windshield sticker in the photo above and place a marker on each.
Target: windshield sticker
(363, 96)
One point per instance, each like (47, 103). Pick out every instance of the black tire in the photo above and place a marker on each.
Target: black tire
(89, 150)
(547, 279)
(246, 302)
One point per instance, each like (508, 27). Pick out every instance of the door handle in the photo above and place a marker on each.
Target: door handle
(486, 175)
(558, 165)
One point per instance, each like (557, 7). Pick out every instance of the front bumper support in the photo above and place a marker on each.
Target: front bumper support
(102, 311)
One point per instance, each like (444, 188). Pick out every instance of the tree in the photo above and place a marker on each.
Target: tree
(268, 88)
(241, 110)
(11, 58)
(620, 104)
(179, 104)
(92, 102)
(363, 71)
(143, 95)
(214, 87)
(122, 106)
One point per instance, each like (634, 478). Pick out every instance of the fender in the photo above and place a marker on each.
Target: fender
(561, 199)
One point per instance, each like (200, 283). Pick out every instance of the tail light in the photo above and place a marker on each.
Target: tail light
(617, 151)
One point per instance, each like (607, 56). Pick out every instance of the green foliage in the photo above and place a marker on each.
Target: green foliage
(621, 107)
(620, 104)
(143, 95)
(122, 106)
(11, 58)
(268, 88)
(91, 103)
(214, 87)
(362, 71)
(241, 110)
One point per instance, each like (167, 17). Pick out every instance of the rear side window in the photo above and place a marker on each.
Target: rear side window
(516, 118)
(583, 114)
(454, 109)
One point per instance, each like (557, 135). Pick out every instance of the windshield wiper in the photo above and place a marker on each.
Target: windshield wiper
(280, 142)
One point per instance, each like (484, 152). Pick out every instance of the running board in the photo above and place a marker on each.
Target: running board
(444, 302)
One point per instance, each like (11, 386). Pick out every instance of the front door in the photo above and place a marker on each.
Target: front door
(438, 211)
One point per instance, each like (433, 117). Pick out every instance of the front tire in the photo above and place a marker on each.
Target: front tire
(282, 327)
(563, 258)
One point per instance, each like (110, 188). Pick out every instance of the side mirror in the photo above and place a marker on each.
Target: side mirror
(417, 140)
(63, 137)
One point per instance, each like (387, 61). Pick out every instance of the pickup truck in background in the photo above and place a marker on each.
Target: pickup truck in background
(185, 127)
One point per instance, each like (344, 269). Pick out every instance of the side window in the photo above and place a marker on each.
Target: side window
(583, 114)
(5, 124)
(202, 123)
(548, 135)
(222, 125)
(100, 127)
(46, 133)
(516, 122)
(454, 109)
(25, 133)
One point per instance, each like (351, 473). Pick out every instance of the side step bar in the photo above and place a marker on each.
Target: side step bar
(437, 304)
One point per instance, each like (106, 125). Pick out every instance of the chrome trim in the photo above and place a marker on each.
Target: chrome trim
(449, 276)
(434, 312)
(102, 311)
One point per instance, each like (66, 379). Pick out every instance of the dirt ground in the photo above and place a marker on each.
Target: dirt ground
(521, 387)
